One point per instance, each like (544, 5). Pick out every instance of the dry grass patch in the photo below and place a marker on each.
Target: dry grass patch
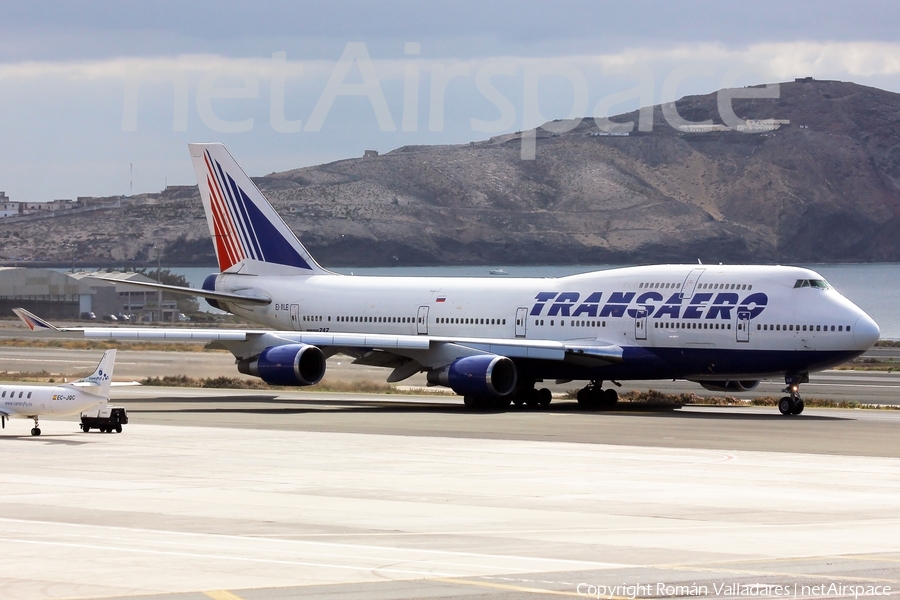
(236, 383)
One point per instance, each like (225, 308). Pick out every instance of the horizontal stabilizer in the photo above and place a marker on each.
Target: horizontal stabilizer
(188, 291)
(100, 380)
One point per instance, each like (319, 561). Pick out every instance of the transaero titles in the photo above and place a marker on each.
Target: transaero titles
(732, 590)
(618, 304)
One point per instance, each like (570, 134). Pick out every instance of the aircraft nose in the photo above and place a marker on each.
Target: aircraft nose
(865, 332)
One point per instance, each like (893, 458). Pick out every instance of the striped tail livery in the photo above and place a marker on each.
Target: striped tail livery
(246, 230)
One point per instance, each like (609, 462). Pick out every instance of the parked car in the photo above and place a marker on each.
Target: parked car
(110, 318)
(88, 316)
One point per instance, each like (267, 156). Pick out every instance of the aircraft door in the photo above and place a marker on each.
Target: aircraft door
(640, 325)
(295, 317)
(743, 326)
(422, 320)
(521, 320)
(690, 282)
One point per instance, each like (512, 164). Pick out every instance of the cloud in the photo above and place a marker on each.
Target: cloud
(781, 59)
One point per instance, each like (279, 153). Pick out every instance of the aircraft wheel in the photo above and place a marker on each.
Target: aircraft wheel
(609, 398)
(119, 428)
(584, 398)
(546, 396)
(85, 428)
(35, 431)
(469, 401)
(518, 400)
(533, 398)
(797, 408)
(785, 405)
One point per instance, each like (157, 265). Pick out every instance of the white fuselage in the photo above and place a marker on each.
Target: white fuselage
(675, 311)
(28, 401)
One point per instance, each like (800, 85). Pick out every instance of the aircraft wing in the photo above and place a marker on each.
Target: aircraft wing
(244, 343)
(88, 384)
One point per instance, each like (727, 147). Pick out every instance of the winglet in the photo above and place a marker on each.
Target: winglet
(33, 321)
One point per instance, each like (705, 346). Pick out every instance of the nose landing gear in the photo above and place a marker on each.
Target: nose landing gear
(792, 404)
(36, 430)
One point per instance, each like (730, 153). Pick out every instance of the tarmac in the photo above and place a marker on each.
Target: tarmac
(224, 495)
(267, 494)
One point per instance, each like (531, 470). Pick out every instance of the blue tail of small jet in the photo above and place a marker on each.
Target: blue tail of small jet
(248, 235)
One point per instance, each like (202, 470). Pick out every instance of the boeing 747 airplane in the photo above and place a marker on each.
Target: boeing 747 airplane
(31, 401)
(492, 340)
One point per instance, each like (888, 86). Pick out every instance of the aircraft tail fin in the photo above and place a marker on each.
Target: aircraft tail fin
(33, 321)
(100, 380)
(244, 226)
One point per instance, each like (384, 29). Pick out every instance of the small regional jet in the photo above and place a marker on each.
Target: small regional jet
(31, 401)
(492, 340)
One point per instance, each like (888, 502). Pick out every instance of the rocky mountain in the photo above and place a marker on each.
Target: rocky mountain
(823, 188)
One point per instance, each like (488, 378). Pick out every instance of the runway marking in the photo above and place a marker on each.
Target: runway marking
(244, 539)
(222, 595)
(519, 588)
(368, 569)
(862, 557)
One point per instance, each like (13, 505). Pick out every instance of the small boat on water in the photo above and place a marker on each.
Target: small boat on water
(498, 272)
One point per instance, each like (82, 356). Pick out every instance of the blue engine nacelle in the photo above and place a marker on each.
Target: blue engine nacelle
(729, 386)
(209, 284)
(484, 375)
(291, 364)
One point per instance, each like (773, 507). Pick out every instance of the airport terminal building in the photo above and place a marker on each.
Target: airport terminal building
(58, 295)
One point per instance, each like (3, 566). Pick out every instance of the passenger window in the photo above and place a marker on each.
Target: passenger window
(840, 327)
(20, 394)
(29, 395)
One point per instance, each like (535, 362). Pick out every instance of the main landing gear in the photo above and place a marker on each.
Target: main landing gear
(525, 396)
(594, 397)
(533, 398)
(36, 430)
(793, 404)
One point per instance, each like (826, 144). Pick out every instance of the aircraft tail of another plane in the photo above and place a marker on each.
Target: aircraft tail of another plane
(245, 228)
(100, 380)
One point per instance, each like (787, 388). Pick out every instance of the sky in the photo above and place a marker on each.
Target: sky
(100, 98)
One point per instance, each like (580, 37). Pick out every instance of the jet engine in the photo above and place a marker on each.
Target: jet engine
(481, 376)
(729, 386)
(290, 364)
(209, 284)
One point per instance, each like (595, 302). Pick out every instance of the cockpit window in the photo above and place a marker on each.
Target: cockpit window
(816, 283)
